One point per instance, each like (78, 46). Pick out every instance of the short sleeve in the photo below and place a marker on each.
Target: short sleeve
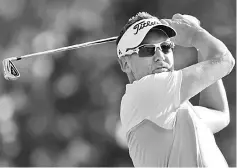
(155, 97)
(162, 87)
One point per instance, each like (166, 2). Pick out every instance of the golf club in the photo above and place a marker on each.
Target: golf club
(11, 72)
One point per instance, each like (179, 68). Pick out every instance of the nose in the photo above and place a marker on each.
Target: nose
(159, 55)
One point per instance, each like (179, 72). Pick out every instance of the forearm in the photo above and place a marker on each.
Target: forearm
(214, 100)
(211, 48)
(214, 96)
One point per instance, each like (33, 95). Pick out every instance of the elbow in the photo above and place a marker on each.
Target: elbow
(226, 119)
(226, 122)
(223, 124)
(231, 61)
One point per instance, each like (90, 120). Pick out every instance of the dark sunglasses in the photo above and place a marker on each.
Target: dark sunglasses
(148, 50)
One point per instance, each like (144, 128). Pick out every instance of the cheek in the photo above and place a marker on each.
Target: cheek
(145, 66)
(170, 58)
(142, 66)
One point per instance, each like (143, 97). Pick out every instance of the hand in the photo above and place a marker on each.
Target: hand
(186, 27)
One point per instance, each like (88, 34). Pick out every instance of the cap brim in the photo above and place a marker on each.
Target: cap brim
(168, 30)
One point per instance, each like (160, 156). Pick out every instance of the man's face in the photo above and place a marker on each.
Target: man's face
(142, 66)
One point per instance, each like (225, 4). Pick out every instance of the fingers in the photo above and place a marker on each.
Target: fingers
(192, 19)
(174, 22)
(186, 18)
(167, 22)
(163, 21)
(177, 16)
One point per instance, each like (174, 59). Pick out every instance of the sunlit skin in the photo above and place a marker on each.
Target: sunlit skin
(139, 67)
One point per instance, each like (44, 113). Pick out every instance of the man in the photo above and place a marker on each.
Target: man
(163, 128)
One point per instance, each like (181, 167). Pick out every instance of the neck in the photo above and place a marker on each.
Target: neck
(131, 77)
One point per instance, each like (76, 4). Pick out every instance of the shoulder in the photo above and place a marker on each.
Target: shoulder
(155, 80)
(160, 78)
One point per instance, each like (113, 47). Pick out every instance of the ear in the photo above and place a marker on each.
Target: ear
(124, 64)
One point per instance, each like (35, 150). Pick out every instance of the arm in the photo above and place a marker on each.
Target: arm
(215, 110)
(206, 75)
(218, 63)
(214, 96)
(217, 60)
(212, 118)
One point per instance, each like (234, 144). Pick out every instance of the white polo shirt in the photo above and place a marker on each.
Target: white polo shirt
(160, 131)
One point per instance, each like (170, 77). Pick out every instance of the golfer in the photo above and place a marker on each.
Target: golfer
(163, 128)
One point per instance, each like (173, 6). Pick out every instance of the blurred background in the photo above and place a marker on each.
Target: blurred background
(64, 110)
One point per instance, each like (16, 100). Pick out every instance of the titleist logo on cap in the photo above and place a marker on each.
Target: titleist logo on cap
(143, 24)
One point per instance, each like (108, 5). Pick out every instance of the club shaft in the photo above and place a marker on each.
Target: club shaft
(87, 44)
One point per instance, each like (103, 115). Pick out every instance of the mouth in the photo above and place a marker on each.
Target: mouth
(160, 69)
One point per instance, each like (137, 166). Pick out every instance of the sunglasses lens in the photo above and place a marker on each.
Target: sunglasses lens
(166, 47)
(146, 51)
(149, 50)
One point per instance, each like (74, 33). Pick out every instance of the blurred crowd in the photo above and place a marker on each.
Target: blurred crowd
(64, 109)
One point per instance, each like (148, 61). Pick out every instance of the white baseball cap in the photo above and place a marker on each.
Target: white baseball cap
(135, 34)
